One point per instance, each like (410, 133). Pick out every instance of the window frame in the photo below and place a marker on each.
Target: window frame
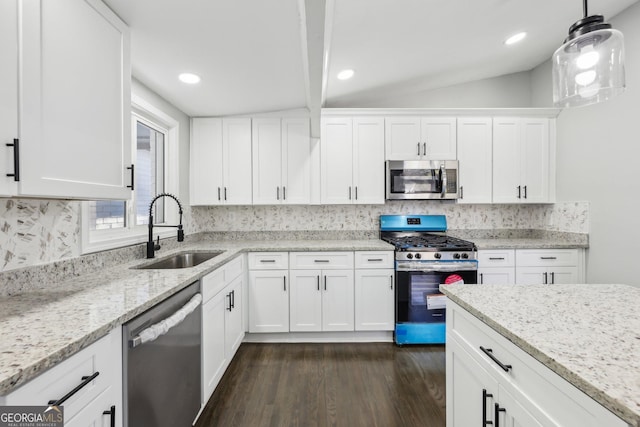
(100, 240)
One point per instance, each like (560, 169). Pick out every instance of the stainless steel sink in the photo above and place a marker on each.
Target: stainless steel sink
(181, 260)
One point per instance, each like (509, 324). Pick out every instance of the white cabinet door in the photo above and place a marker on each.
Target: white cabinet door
(469, 387)
(214, 355)
(206, 183)
(535, 160)
(99, 412)
(513, 413)
(236, 136)
(506, 161)
(269, 301)
(336, 152)
(475, 141)
(305, 301)
(8, 94)
(403, 138)
(75, 101)
(374, 300)
(497, 276)
(438, 138)
(234, 329)
(267, 161)
(296, 161)
(337, 300)
(368, 167)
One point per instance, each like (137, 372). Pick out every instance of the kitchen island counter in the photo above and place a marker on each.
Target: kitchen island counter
(587, 334)
(50, 319)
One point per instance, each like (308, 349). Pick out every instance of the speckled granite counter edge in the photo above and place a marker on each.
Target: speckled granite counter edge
(598, 395)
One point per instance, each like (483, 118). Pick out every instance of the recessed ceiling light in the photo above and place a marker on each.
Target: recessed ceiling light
(189, 78)
(515, 38)
(345, 74)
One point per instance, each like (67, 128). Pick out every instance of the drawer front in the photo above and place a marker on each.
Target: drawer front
(321, 260)
(233, 269)
(526, 378)
(496, 258)
(374, 259)
(101, 356)
(547, 257)
(268, 260)
(212, 283)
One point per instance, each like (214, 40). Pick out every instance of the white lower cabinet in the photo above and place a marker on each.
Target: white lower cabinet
(222, 322)
(520, 393)
(268, 292)
(374, 291)
(98, 368)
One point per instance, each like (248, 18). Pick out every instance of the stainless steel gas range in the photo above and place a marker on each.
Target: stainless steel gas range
(425, 258)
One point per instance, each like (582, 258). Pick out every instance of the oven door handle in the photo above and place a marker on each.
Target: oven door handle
(420, 266)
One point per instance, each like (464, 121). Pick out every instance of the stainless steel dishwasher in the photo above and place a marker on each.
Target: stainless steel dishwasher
(161, 362)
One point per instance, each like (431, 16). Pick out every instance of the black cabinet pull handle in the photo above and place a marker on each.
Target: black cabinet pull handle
(16, 159)
(85, 380)
(285, 283)
(325, 283)
(484, 407)
(218, 193)
(374, 259)
(229, 295)
(519, 192)
(267, 260)
(356, 192)
(133, 176)
(481, 278)
(498, 409)
(391, 282)
(233, 299)
(349, 192)
(320, 260)
(496, 258)
(462, 192)
(546, 278)
(548, 257)
(489, 352)
(553, 278)
(284, 193)
(525, 191)
(318, 277)
(277, 193)
(111, 412)
(225, 193)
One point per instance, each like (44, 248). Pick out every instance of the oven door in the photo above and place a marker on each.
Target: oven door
(419, 180)
(418, 298)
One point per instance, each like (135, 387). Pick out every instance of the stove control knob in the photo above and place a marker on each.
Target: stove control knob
(465, 256)
(409, 256)
(437, 255)
(418, 256)
(456, 256)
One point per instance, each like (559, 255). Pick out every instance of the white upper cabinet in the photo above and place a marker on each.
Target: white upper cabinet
(522, 159)
(75, 100)
(220, 161)
(281, 161)
(474, 159)
(352, 160)
(420, 138)
(8, 94)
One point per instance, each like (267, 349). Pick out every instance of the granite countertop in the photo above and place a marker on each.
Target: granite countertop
(49, 322)
(523, 239)
(587, 334)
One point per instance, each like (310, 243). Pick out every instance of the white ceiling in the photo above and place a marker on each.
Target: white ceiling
(259, 56)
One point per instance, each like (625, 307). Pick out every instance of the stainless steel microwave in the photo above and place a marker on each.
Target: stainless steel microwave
(422, 179)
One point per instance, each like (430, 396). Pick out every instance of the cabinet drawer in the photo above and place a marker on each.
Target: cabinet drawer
(212, 283)
(101, 357)
(496, 258)
(321, 260)
(268, 260)
(527, 378)
(374, 259)
(233, 269)
(546, 257)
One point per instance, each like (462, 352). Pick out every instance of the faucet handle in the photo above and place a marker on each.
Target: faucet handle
(157, 246)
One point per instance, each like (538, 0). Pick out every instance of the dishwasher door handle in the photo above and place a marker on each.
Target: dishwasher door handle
(154, 331)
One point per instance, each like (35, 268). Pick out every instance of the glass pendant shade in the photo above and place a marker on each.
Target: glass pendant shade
(589, 66)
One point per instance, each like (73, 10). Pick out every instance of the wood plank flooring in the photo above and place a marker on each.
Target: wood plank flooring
(345, 384)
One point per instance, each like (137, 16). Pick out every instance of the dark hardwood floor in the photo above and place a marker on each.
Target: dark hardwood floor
(368, 384)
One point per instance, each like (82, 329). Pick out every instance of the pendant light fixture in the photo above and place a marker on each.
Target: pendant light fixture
(589, 66)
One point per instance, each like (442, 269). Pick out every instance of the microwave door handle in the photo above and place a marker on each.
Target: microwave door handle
(443, 177)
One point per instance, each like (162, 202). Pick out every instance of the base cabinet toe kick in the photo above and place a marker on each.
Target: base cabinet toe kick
(493, 381)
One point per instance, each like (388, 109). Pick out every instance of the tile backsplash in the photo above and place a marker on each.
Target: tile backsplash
(36, 232)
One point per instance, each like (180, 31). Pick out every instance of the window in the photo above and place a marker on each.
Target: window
(112, 223)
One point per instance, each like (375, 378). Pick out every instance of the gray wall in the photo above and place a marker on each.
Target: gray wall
(599, 161)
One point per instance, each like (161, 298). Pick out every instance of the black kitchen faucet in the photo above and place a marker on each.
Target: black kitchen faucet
(151, 246)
